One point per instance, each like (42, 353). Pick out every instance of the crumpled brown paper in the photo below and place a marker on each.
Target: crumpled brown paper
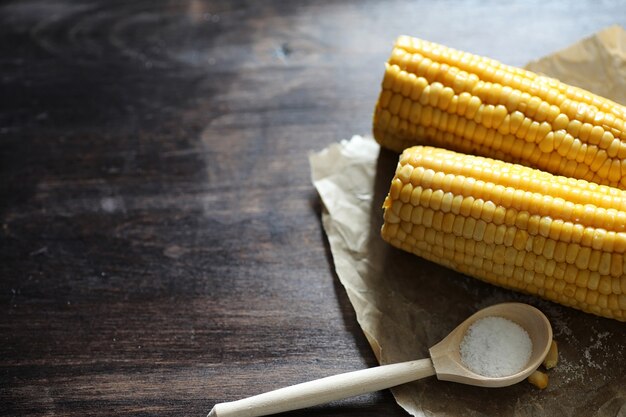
(597, 64)
(406, 304)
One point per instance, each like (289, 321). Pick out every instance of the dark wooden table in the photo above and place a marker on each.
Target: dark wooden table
(160, 240)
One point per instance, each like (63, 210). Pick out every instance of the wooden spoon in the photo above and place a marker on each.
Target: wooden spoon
(445, 362)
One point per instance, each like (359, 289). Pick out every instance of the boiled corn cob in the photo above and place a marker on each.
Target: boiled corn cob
(434, 95)
(509, 225)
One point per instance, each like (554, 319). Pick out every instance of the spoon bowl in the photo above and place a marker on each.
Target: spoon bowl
(445, 362)
(446, 355)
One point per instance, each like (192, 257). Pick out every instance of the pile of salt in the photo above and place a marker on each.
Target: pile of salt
(496, 347)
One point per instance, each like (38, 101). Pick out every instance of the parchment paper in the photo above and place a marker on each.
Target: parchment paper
(405, 304)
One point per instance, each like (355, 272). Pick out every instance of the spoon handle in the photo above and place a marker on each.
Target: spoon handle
(327, 389)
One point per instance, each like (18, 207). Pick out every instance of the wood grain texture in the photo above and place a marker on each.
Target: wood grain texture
(160, 240)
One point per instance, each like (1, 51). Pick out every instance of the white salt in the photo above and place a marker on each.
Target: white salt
(496, 347)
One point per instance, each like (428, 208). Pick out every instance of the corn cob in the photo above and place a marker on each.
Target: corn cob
(509, 225)
(433, 95)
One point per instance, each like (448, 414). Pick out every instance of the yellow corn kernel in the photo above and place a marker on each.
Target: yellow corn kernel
(539, 379)
(552, 357)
